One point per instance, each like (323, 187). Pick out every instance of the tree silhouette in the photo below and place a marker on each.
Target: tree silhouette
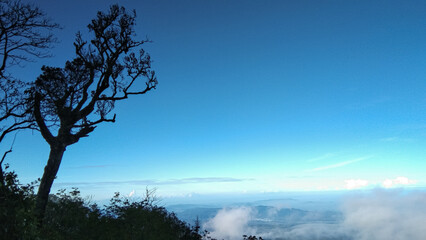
(69, 102)
(25, 34)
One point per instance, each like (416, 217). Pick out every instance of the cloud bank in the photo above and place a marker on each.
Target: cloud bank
(380, 214)
(387, 214)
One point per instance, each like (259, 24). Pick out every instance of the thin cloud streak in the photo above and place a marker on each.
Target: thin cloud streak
(337, 165)
(157, 182)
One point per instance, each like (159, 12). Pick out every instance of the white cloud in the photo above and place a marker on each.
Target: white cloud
(230, 223)
(386, 214)
(355, 183)
(377, 215)
(388, 183)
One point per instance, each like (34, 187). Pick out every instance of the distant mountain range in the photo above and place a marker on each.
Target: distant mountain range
(262, 215)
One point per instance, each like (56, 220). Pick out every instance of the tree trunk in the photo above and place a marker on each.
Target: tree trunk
(50, 171)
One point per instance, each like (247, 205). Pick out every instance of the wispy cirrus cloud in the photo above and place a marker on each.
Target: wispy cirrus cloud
(340, 164)
(154, 182)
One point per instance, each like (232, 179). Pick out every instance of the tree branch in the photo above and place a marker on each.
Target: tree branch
(45, 132)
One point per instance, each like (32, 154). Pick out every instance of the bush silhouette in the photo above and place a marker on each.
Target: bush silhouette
(69, 216)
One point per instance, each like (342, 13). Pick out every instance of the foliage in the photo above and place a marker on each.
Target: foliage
(69, 216)
(144, 220)
(251, 237)
(72, 100)
(16, 202)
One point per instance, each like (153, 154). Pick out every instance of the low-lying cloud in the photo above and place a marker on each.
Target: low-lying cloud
(230, 223)
(385, 214)
(379, 214)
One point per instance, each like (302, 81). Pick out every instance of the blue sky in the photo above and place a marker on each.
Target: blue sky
(254, 96)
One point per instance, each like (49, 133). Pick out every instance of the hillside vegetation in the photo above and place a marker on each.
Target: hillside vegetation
(69, 216)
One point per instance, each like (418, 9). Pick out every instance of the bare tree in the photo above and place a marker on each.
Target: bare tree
(69, 102)
(25, 34)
